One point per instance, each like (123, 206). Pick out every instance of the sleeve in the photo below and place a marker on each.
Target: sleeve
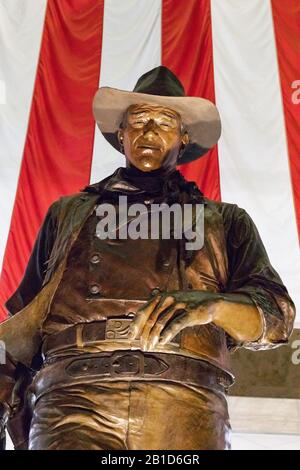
(251, 273)
(33, 278)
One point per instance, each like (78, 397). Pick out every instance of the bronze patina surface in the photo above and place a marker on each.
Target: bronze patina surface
(128, 340)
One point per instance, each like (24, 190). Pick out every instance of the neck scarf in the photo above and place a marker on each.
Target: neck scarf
(158, 185)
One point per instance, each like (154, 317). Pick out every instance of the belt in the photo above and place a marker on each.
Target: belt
(128, 364)
(85, 334)
(136, 365)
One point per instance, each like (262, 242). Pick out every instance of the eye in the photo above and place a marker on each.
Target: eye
(166, 125)
(137, 123)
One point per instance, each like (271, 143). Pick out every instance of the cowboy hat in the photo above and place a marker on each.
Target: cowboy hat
(160, 86)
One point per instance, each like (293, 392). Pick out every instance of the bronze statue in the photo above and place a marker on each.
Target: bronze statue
(123, 343)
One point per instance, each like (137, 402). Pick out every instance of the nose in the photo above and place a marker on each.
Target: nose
(151, 126)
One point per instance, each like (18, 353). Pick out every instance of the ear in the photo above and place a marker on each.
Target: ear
(185, 139)
(120, 135)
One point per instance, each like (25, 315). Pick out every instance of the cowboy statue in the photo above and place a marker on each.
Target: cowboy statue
(121, 340)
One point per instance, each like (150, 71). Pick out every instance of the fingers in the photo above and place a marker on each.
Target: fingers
(152, 319)
(194, 317)
(172, 330)
(155, 332)
(142, 316)
(158, 323)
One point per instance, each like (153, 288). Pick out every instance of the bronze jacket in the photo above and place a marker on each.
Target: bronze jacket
(233, 259)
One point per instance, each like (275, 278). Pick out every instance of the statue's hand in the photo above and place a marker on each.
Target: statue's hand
(7, 384)
(162, 318)
(4, 415)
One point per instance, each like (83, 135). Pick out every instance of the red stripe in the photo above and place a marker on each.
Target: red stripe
(287, 33)
(59, 144)
(187, 51)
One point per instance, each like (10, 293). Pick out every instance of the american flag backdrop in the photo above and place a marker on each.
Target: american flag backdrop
(242, 54)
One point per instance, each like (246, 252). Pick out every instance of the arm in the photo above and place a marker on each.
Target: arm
(251, 274)
(20, 334)
(241, 321)
(256, 311)
(160, 320)
(33, 278)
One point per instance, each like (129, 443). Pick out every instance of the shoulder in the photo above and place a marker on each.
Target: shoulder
(235, 219)
(71, 200)
(226, 209)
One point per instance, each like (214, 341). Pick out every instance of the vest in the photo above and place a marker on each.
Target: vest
(61, 291)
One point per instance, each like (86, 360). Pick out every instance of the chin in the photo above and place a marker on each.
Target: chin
(147, 164)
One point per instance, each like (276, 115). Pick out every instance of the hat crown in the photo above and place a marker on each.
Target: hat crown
(160, 81)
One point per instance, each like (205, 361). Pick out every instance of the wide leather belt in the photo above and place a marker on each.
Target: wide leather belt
(133, 365)
(126, 364)
(85, 334)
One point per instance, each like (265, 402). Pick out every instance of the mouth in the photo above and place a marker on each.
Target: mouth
(149, 146)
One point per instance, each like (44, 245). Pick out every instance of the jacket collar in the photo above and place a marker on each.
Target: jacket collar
(169, 186)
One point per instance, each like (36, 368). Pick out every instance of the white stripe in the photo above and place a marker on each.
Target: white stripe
(253, 153)
(21, 24)
(131, 46)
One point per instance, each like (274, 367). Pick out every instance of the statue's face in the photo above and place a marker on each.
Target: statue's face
(152, 137)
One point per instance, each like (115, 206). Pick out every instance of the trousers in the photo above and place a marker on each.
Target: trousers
(129, 415)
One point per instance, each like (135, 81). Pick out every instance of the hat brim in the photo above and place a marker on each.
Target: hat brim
(200, 117)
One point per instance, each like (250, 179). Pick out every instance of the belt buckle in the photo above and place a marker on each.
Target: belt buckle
(127, 363)
(117, 328)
